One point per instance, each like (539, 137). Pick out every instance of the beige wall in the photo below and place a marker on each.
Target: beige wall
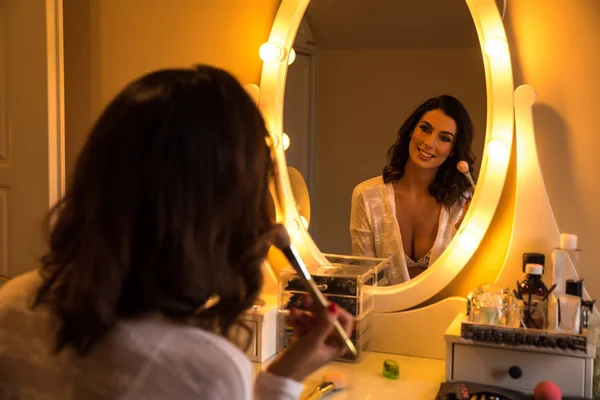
(111, 42)
(556, 49)
(362, 99)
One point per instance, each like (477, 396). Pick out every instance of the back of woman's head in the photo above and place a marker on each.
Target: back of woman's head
(167, 207)
(449, 184)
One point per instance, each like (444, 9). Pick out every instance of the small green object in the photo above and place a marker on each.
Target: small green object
(391, 369)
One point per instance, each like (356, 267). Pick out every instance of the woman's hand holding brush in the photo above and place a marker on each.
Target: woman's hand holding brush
(315, 343)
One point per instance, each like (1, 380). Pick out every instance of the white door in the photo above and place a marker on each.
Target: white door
(31, 134)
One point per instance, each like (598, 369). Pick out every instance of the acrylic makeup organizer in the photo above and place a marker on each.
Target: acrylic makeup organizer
(348, 282)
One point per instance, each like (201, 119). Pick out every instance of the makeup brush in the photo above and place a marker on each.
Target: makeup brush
(463, 167)
(332, 381)
(281, 240)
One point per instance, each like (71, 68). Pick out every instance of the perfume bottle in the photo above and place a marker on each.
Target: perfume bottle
(560, 257)
(570, 307)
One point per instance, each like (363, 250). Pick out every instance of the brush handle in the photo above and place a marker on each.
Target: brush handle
(320, 391)
(469, 178)
(339, 330)
(296, 261)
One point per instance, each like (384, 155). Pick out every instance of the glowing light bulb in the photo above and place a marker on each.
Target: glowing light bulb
(271, 52)
(272, 141)
(496, 48)
(304, 221)
(497, 149)
(286, 141)
(468, 240)
(292, 226)
(292, 56)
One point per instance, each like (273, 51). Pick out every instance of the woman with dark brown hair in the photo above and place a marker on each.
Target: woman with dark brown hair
(412, 211)
(155, 252)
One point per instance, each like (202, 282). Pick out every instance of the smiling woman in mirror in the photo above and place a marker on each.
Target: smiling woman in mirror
(412, 211)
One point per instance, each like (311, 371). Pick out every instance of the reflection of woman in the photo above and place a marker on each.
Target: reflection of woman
(168, 209)
(412, 211)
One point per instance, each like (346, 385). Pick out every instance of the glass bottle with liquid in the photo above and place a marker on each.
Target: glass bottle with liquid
(533, 291)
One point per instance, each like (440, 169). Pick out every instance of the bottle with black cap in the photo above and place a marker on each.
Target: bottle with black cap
(569, 305)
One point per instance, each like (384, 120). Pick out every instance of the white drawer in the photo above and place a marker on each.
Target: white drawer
(491, 366)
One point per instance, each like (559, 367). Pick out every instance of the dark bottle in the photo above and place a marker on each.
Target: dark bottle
(533, 290)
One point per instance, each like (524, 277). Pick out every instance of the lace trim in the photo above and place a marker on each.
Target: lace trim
(422, 263)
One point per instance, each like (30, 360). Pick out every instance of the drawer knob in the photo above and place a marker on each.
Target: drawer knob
(515, 372)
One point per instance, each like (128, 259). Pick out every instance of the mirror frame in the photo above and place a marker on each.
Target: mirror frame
(494, 165)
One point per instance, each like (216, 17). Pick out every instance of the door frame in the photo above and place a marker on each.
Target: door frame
(56, 103)
(56, 100)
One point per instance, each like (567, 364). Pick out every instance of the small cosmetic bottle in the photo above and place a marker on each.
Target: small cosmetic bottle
(570, 307)
(560, 257)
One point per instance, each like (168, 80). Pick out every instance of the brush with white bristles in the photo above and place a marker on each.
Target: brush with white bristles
(463, 167)
(332, 381)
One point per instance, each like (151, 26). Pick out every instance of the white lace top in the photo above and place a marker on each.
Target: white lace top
(148, 358)
(375, 231)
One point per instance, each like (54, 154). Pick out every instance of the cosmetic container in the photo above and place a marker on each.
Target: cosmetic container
(348, 282)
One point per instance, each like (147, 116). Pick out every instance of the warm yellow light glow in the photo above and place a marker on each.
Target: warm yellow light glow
(468, 240)
(497, 149)
(292, 57)
(304, 222)
(253, 91)
(496, 48)
(272, 141)
(275, 262)
(292, 226)
(271, 52)
(286, 141)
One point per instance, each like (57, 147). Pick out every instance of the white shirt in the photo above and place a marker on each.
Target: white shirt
(375, 231)
(147, 358)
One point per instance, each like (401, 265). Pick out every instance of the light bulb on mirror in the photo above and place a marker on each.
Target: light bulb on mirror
(292, 226)
(468, 240)
(292, 56)
(497, 149)
(272, 141)
(496, 48)
(304, 221)
(286, 141)
(271, 52)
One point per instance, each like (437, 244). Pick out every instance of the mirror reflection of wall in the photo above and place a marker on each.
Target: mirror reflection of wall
(362, 68)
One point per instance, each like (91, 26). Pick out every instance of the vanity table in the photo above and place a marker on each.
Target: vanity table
(518, 367)
(420, 378)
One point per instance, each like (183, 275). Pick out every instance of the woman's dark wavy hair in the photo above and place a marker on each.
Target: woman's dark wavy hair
(449, 184)
(168, 205)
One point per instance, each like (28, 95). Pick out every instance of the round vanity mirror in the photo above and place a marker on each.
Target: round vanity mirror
(369, 100)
